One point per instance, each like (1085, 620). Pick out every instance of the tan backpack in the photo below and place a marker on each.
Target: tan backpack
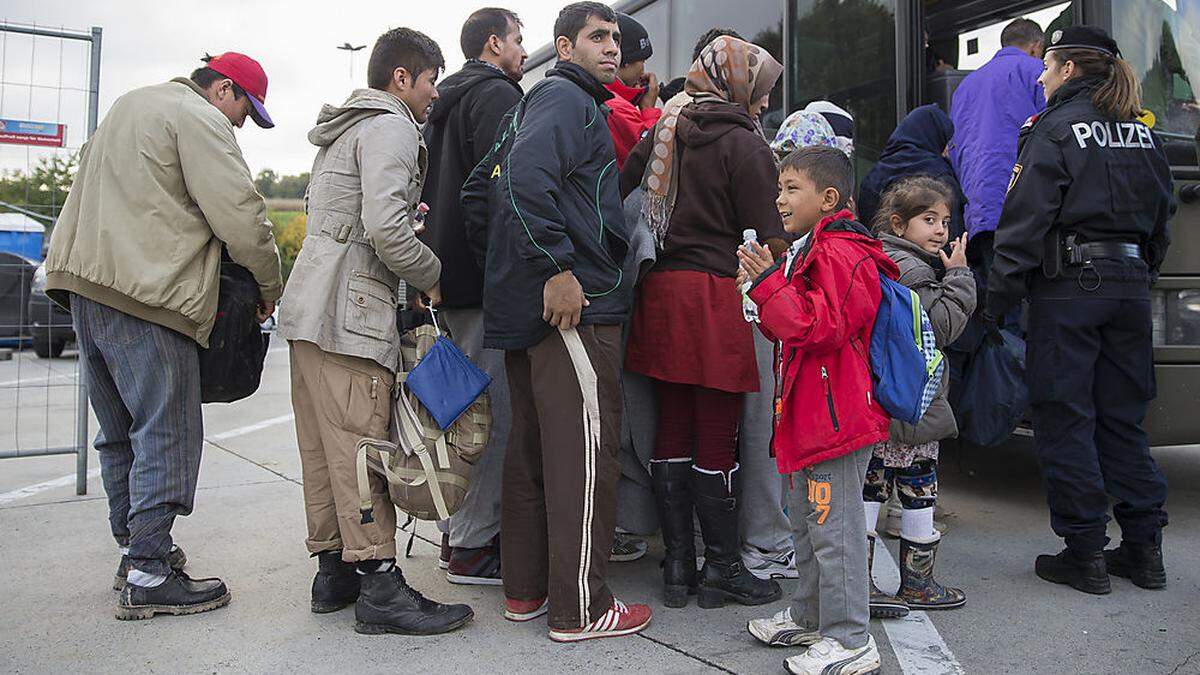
(427, 470)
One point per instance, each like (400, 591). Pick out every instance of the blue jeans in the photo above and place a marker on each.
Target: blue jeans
(144, 384)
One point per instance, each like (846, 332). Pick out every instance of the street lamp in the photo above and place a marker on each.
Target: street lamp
(349, 48)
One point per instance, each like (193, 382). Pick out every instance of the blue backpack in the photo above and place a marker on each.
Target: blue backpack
(905, 360)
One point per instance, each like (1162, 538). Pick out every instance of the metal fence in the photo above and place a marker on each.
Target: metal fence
(49, 105)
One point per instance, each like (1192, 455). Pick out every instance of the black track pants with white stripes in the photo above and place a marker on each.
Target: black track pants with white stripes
(558, 506)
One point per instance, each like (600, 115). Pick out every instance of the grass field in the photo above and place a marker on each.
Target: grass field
(288, 227)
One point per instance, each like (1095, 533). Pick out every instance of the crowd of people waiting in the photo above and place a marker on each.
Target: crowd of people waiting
(589, 243)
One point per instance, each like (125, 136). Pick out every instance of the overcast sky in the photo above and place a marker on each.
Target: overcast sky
(146, 42)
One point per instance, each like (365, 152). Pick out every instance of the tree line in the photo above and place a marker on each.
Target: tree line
(43, 188)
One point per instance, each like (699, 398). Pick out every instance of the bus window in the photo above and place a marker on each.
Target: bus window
(1161, 40)
(972, 45)
(853, 68)
(987, 39)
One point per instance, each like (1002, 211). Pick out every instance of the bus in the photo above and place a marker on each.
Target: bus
(879, 59)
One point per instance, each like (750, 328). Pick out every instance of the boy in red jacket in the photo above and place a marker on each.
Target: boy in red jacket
(818, 303)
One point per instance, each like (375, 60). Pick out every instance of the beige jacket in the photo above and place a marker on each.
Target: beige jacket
(161, 185)
(346, 285)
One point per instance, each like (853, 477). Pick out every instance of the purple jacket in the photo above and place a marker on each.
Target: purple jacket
(988, 109)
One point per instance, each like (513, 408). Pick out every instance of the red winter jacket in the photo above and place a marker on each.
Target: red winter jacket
(627, 121)
(821, 320)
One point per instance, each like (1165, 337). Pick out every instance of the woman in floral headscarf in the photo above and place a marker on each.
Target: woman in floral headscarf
(707, 174)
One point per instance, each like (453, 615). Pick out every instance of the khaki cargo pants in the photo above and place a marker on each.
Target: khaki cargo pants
(339, 400)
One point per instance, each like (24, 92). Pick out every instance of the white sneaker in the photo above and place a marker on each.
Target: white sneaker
(781, 631)
(829, 657)
(765, 566)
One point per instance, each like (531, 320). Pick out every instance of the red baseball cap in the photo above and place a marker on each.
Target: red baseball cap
(247, 74)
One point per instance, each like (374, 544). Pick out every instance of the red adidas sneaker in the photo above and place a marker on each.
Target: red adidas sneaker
(525, 610)
(620, 619)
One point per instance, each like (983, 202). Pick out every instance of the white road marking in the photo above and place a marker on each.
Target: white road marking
(919, 647)
(25, 382)
(64, 481)
(31, 490)
(251, 428)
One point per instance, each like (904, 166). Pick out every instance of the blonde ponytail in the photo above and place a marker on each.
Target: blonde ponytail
(1120, 94)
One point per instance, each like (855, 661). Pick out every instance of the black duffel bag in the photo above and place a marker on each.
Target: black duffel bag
(231, 367)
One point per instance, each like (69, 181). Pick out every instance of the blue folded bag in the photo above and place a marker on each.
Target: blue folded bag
(445, 381)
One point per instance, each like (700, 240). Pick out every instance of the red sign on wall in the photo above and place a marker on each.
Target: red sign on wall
(23, 132)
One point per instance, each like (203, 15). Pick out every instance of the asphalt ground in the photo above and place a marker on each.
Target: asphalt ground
(57, 561)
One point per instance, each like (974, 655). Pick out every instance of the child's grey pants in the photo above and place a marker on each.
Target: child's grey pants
(830, 532)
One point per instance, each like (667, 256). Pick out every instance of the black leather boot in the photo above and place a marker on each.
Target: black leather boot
(1140, 563)
(336, 584)
(1083, 571)
(723, 576)
(179, 594)
(387, 604)
(673, 497)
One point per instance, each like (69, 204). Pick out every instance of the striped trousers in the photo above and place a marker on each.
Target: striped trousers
(144, 384)
(558, 503)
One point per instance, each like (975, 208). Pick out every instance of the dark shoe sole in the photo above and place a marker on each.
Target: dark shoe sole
(140, 612)
(715, 598)
(383, 628)
(889, 611)
(1093, 586)
(330, 607)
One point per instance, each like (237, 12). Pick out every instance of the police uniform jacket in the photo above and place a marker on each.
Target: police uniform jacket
(1079, 171)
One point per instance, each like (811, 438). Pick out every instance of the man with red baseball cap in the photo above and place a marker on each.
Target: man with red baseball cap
(246, 74)
(161, 189)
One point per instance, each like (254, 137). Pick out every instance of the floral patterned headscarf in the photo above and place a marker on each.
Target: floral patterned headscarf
(803, 129)
(728, 70)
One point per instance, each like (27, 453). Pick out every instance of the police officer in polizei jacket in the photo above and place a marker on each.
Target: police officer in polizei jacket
(1082, 235)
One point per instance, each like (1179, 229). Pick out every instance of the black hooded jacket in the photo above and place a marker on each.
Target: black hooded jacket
(460, 131)
(546, 200)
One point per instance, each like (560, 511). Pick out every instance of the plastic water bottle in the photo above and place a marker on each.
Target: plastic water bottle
(749, 309)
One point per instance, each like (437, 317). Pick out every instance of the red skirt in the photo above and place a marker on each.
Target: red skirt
(687, 328)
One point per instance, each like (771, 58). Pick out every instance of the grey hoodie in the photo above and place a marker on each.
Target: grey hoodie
(949, 301)
(346, 285)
